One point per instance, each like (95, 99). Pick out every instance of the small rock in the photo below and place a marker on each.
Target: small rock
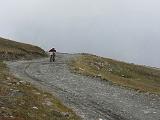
(99, 75)
(13, 81)
(146, 111)
(9, 83)
(16, 90)
(154, 112)
(11, 116)
(18, 83)
(110, 70)
(37, 93)
(123, 75)
(81, 69)
(11, 89)
(35, 108)
(22, 82)
(8, 78)
(65, 114)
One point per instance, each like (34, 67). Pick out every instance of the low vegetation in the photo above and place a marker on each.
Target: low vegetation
(11, 50)
(129, 75)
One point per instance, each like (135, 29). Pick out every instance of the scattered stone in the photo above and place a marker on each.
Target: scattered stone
(11, 89)
(8, 78)
(9, 83)
(81, 69)
(14, 82)
(33, 90)
(18, 83)
(123, 75)
(16, 90)
(16, 93)
(35, 107)
(22, 82)
(37, 93)
(2, 107)
(66, 114)
(146, 111)
(110, 70)
(22, 103)
(99, 75)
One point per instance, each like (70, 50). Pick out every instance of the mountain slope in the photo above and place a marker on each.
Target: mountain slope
(15, 50)
(133, 76)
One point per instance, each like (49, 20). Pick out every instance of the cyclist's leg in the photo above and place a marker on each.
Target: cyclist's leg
(51, 58)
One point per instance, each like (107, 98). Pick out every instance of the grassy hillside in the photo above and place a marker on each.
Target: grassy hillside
(133, 76)
(16, 50)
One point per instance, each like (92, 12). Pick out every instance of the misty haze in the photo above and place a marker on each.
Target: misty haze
(51, 66)
(126, 30)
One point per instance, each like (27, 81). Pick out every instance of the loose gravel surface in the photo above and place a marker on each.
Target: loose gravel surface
(91, 98)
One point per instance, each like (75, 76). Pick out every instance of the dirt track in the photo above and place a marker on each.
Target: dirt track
(91, 98)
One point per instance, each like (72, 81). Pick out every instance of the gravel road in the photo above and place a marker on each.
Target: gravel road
(91, 98)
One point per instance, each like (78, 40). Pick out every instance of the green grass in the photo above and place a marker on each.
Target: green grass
(137, 77)
(16, 50)
(22, 101)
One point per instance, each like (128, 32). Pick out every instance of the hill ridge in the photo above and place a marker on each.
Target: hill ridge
(11, 50)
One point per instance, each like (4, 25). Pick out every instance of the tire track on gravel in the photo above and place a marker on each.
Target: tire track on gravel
(91, 98)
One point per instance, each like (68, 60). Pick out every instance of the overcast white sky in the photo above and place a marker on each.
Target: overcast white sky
(127, 30)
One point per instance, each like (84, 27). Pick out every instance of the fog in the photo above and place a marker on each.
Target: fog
(127, 30)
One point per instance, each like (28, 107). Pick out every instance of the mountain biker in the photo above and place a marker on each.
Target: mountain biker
(52, 54)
